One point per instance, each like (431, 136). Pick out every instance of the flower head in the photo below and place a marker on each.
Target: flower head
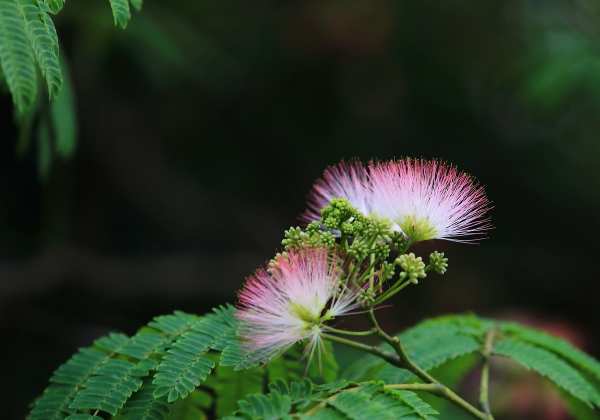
(290, 302)
(425, 199)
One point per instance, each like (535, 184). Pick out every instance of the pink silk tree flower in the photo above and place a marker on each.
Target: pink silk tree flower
(291, 302)
(424, 199)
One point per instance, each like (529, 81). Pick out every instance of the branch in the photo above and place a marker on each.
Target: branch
(388, 357)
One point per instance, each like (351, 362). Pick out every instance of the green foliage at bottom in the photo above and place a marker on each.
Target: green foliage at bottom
(182, 366)
(345, 401)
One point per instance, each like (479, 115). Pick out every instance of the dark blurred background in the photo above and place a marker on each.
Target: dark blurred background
(204, 124)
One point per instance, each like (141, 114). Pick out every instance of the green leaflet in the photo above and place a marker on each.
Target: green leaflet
(16, 56)
(549, 365)
(419, 407)
(175, 324)
(143, 344)
(121, 12)
(367, 403)
(272, 406)
(53, 403)
(44, 41)
(143, 405)
(111, 386)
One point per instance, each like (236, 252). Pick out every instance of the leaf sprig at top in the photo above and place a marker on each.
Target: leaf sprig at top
(29, 42)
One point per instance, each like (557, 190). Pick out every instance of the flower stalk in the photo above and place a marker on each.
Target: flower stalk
(484, 394)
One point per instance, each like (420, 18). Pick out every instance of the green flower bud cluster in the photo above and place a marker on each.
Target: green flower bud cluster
(380, 228)
(387, 271)
(295, 238)
(366, 297)
(413, 267)
(341, 216)
(438, 263)
(381, 251)
(365, 244)
(358, 249)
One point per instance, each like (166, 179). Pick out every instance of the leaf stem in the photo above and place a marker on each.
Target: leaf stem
(484, 394)
(392, 291)
(346, 332)
(388, 357)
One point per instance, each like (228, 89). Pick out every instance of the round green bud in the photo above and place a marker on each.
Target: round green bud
(413, 267)
(438, 263)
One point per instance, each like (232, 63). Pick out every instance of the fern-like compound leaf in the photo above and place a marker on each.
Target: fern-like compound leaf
(549, 365)
(16, 56)
(143, 405)
(44, 41)
(175, 324)
(368, 402)
(186, 364)
(272, 406)
(420, 408)
(340, 400)
(53, 404)
(121, 12)
(69, 378)
(555, 345)
(143, 344)
(112, 386)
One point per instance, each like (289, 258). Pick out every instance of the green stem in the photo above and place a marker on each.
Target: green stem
(484, 394)
(392, 291)
(346, 332)
(433, 388)
(388, 357)
(399, 349)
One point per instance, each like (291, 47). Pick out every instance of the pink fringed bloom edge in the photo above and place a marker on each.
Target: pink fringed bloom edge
(289, 303)
(428, 198)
